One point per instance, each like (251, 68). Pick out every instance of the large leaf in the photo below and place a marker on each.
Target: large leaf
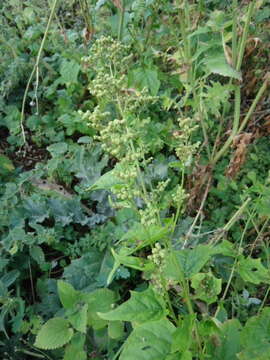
(100, 300)
(253, 271)
(69, 71)
(149, 341)
(255, 337)
(225, 345)
(82, 273)
(54, 334)
(141, 307)
(187, 262)
(145, 78)
(217, 64)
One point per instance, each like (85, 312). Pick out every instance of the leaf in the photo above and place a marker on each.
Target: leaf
(79, 319)
(6, 164)
(253, 271)
(54, 334)
(10, 277)
(69, 297)
(69, 71)
(206, 286)
(217, 64)
(181, 337)
(141, 307)
(149, 341)
(116, 329)
(100, 300)
(145, 78)
(187, 262)
(255, 337)
(75, 350)
(106, 181)
(228, 341)
(58, 148)
(82, 273)
(37, 254)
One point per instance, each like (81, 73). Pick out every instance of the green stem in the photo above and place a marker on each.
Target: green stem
(227, 144)
(234, 32)
(35, 68)
(245, 35)
(254, 104)
(121, 22)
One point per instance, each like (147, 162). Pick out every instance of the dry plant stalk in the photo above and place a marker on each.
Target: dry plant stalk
(240, 143)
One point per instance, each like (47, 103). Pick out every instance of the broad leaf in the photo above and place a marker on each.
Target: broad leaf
(145, 78)
(54, 334)
(227, 344)
(187, 262)
(206, 286)
(253, 271)
(141, 307)
(255, 337)
(149, 341)
(69, 71)
(217, 64)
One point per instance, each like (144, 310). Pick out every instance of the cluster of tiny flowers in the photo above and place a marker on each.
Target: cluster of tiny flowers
(158, 256)
(107, 53)
(179, 195)
(148, 215)
(184, 149)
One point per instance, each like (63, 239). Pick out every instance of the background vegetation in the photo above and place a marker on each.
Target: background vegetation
(134, 173)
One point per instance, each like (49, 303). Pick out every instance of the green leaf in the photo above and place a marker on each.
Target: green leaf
(181, 337)
(116, 329)
(227, 345)
(187, 262)
(106, 181)
(69, 71)
(253, 271)
(58, 148)
(37, 254)
(255, 337)
(79, 319)
(217, 64)
(206, 286)
(145, 78)
(141, 307)
(54, 334)
(6, 164)
(149, 341)
(100, 300)
(75, 350)
(67, 294)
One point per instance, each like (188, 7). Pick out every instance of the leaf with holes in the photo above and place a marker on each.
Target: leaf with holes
(253, 271)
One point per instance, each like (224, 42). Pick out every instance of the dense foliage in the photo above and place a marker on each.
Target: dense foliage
(134, 180)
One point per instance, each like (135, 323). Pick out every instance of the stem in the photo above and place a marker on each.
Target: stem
(255, 102)
(121, 22)
(234, 32)
(245, 35)
(35, 68)
(234, 129)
